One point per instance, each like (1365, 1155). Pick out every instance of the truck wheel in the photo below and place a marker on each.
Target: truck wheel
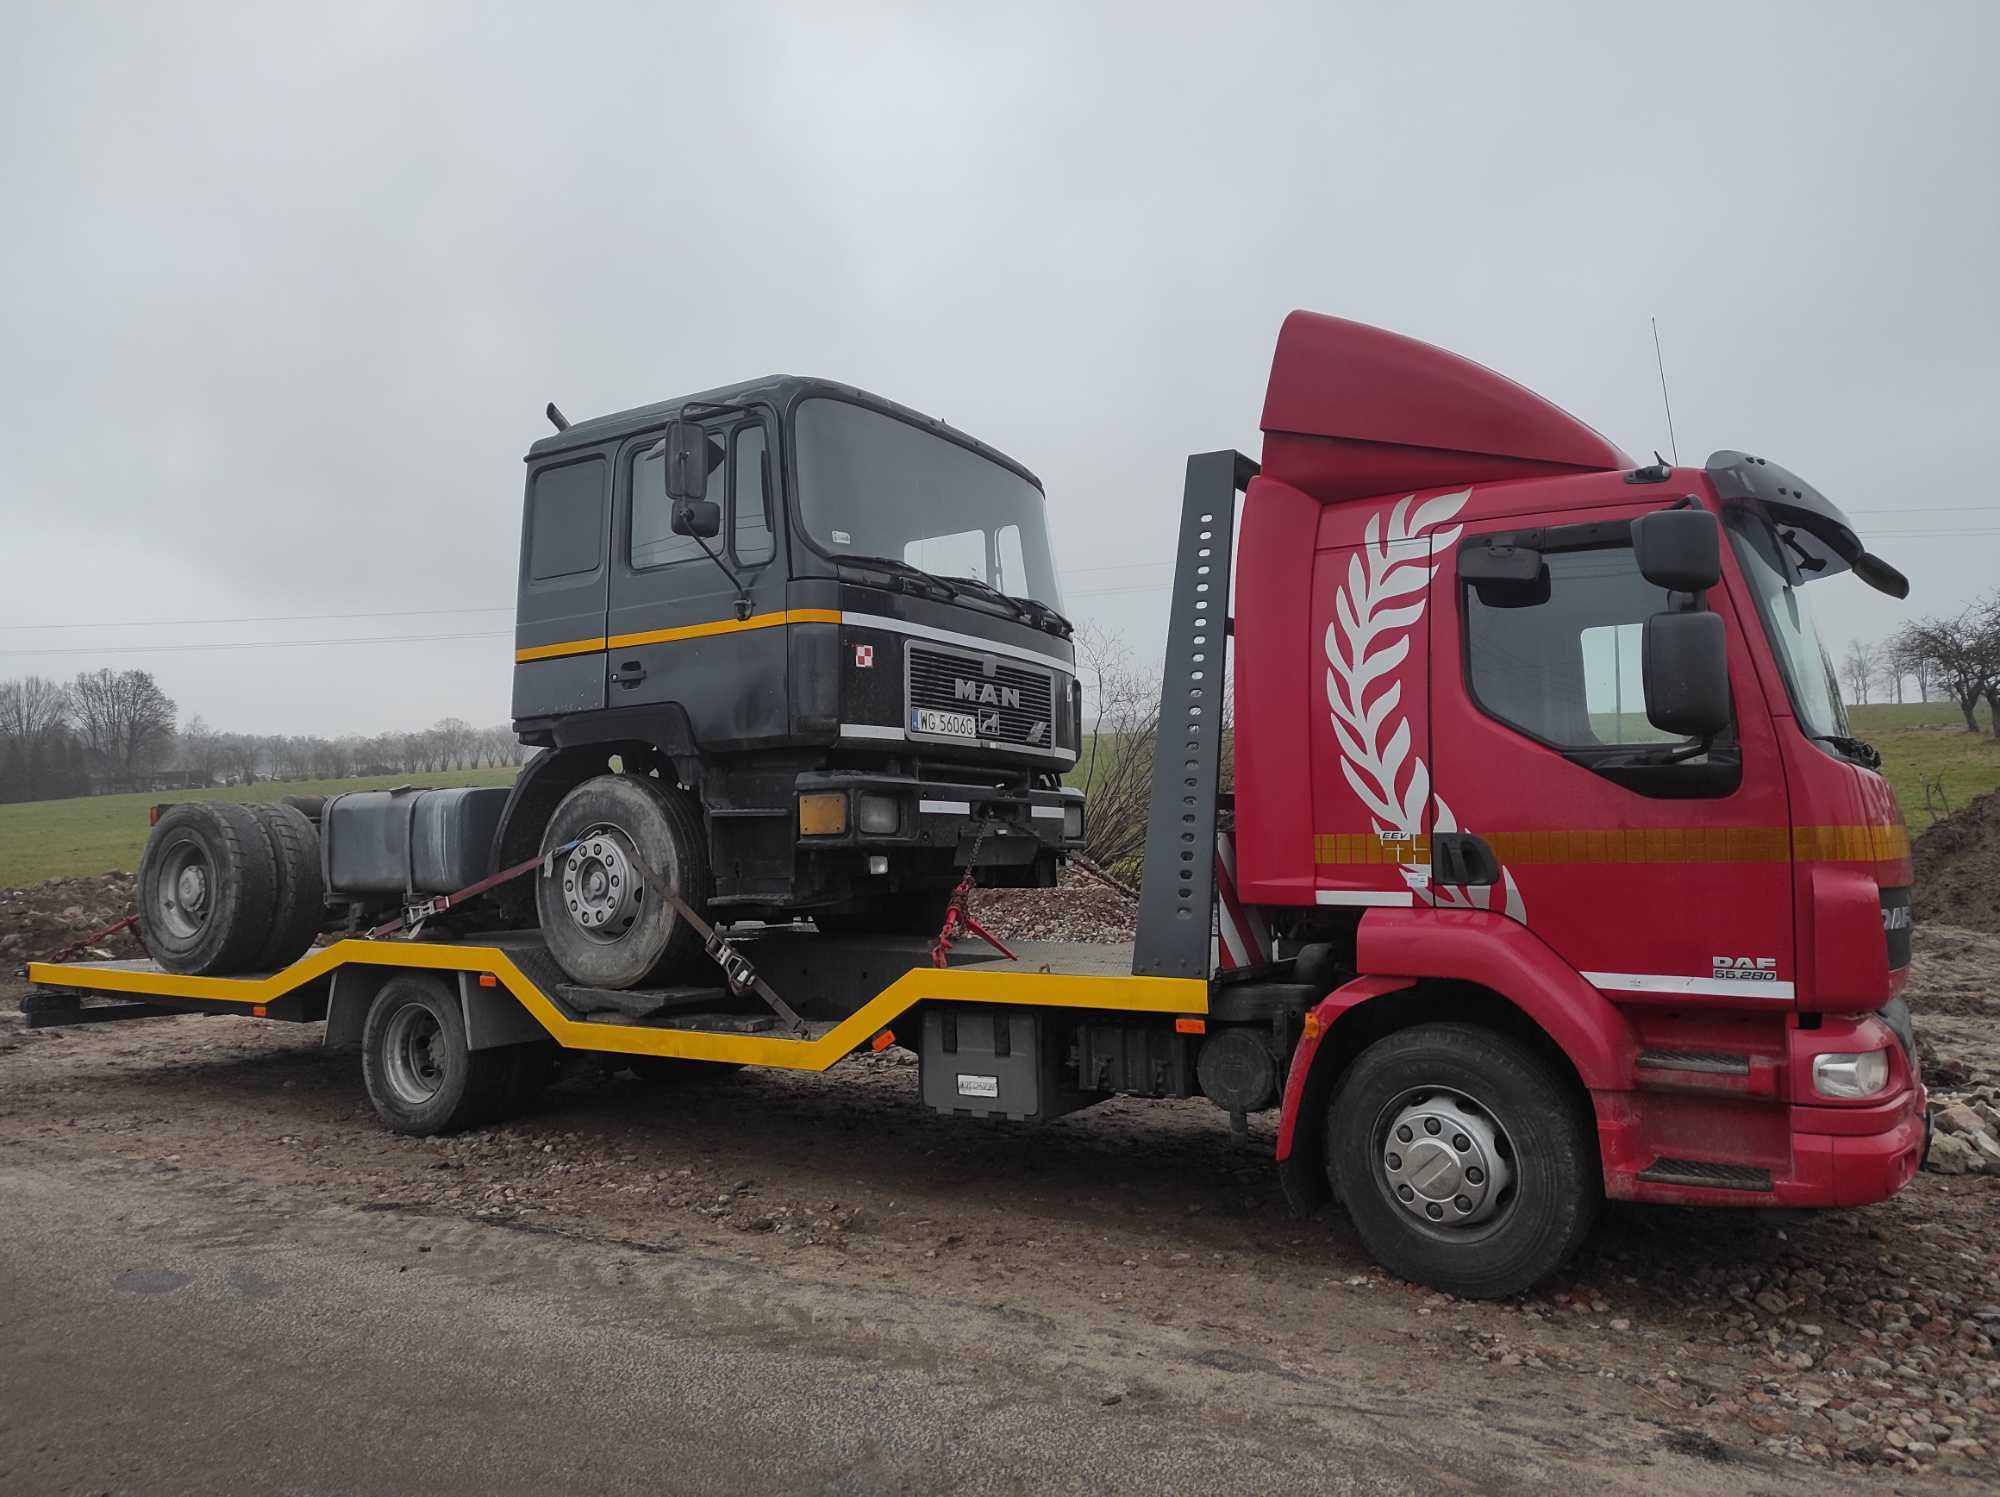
(299, 897)
(603, 923)
(206, 889)
(1462, 1159)
(420, 1076)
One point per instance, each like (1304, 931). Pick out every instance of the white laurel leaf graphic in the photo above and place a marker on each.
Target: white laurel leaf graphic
(1388, 584)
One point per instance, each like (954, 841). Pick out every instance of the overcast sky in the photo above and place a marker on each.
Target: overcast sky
(286, 288)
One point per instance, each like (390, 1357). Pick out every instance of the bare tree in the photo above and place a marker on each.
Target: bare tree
(1117, 764)
(201, 749)
(32, 706)
(1858, 667)
(124, 718)
(1962, 655)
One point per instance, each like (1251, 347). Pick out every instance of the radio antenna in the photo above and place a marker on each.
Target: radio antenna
(1661, 364)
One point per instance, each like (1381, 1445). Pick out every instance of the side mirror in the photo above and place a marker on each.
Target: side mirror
(1505, 576)
(698, 517)
(1678, 549)
(687, 463)
(1685, 673)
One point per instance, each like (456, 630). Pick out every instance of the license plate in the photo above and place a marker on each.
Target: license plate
(944, 724)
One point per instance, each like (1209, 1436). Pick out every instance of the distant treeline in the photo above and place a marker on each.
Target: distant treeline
(109, 731)
(1955, 656)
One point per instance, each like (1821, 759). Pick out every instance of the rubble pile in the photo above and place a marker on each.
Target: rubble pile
(40, 920)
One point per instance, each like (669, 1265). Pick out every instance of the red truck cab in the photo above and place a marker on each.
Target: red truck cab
(1465, 768)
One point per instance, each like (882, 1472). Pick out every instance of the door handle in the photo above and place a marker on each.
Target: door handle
(1461, 858)
(631, 673)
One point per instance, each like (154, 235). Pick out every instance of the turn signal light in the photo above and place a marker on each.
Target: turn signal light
(823, 815)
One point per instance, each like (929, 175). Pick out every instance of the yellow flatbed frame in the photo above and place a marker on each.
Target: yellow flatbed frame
(1029, 981)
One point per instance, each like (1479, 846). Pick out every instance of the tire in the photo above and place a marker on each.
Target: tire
(918, 912)
(602, 923)
(1529, 1169)
(299, 897)
(420, 1076)
(206, 888)
(312, 807)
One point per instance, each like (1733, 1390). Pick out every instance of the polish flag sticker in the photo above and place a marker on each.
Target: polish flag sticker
(864, 657)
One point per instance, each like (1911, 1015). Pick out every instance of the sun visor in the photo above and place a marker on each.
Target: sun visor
(1353, 411)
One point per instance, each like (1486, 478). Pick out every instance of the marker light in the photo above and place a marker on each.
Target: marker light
(823, 815)
(1850, 1076)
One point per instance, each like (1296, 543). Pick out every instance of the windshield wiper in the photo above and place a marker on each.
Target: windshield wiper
(901, 568)
(1033, 609)
(1854, 748)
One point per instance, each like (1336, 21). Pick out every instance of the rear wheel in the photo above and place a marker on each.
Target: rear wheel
(421, 1077)
(206, 889)
(1464, 1159)
(298, 895)
(601, 915)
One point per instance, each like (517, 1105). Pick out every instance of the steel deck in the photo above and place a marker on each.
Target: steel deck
(885, 978)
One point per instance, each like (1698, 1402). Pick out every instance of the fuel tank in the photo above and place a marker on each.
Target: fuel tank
(409, 840)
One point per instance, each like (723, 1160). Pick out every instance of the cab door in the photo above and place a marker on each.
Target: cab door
(561, 600)
(675, 632)
(1654, 867)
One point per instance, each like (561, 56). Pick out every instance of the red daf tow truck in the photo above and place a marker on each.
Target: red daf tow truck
(1553, 872)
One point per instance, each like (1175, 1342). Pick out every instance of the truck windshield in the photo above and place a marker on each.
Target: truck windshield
(871, 485)
(1788, 620)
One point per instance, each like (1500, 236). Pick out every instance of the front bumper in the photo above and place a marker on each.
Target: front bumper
(1834, 1163)
(943, 820)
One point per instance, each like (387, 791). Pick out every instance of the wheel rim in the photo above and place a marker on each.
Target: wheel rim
(1447, 1163)
(183, 894)
(414, 1054)
(602, 891)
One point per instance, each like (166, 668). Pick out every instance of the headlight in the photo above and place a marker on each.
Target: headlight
(1073, 823)
(878, 815)
(1850, 1076)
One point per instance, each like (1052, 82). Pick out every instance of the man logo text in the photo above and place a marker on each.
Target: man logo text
(985, 693)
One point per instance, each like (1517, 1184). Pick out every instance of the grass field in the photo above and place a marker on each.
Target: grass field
(1922, 743)
(104, 833)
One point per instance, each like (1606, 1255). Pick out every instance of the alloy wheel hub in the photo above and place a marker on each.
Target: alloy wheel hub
(1443, 1161)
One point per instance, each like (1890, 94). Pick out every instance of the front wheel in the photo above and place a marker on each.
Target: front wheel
(601, 912)
(1464, 1158)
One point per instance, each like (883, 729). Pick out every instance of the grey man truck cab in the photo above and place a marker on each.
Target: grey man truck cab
(798, 651)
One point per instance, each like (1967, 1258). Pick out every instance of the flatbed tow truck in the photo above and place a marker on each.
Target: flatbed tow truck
(1552, 873)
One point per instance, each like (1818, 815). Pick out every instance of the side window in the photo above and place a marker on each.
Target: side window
(566, 519)
(653, 542)
(1567, 670)
(752, 519)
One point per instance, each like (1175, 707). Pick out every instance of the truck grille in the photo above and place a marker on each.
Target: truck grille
(1008, 704)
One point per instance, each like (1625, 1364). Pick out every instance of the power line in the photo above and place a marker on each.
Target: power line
(261, 618)
(258, 644)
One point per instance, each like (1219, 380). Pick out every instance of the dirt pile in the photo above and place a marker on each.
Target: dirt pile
(38, 921)
(1954, 970)
(1078, 908)
(1958, 867)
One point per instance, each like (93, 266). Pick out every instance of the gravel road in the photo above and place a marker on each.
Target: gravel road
(775, 1275)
